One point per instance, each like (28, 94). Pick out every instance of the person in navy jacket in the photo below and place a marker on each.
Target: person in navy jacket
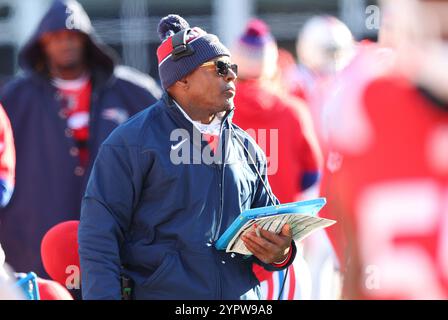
(167, 184)
(71, 95)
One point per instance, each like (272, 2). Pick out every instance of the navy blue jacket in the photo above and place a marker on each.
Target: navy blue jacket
(49, 182)
(156, 220)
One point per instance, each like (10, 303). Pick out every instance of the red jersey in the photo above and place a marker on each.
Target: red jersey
(76, 109)
(391, 197)
(7, 150)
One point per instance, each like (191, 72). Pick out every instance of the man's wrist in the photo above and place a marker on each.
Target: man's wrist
(285, 260)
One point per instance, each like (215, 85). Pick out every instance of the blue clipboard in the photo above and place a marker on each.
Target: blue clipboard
(309, 207)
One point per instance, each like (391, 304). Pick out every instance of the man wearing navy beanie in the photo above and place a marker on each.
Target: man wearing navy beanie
(153, 209)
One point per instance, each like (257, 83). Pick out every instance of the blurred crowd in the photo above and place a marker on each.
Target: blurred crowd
(363, 124)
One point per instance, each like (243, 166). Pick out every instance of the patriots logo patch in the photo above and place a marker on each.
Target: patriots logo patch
(116, 115)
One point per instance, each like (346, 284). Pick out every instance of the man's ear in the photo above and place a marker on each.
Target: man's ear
(183, 84)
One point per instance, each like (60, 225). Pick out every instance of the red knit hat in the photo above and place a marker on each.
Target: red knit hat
(59, 250)
(255, 51)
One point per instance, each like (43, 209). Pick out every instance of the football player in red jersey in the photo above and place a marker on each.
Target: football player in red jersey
(324, 47)
(7, 159)
(388, 188)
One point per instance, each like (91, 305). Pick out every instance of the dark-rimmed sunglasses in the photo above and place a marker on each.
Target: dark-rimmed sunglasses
(222, 67)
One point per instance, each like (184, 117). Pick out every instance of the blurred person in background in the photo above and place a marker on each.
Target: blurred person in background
(8, 289)
(71, 96)
(324, 47)
(344, 115)
(286, 71)
(7, 159)
(282, 126)
(388, 187)
(3, 272)
(7, 177)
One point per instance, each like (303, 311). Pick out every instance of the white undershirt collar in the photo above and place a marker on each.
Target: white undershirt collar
(71, 85)
(213, 128)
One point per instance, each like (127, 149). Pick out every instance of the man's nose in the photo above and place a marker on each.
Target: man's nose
(230, 76)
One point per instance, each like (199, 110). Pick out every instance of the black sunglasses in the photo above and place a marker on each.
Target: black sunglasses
(222, 68)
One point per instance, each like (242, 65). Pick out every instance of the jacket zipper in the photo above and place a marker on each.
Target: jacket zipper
(217, 226)
(220, 169)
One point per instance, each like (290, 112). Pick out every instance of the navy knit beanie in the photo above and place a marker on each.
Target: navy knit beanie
(183, 49)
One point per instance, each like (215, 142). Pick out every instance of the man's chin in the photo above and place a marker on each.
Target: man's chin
(228, 105)
(224, 106)
(69, 65)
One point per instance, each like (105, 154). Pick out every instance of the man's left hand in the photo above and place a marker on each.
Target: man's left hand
(269, 247)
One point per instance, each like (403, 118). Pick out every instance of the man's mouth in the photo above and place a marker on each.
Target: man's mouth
(230, 91)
